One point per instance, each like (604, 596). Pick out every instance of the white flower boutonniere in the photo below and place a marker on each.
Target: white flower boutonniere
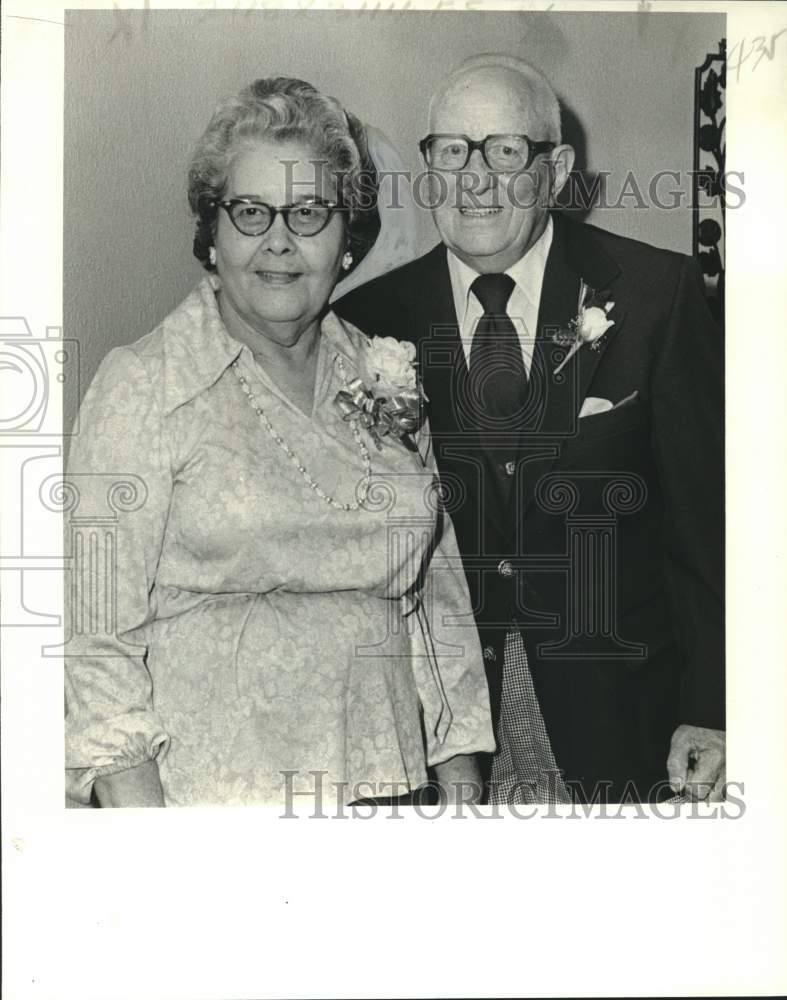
(387, 400)
(588, 326)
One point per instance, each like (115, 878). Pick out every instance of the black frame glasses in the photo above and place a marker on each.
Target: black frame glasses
(228, 204)
(533, 149)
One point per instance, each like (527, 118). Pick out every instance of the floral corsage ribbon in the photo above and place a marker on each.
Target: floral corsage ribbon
(588, 326)
(387, 400)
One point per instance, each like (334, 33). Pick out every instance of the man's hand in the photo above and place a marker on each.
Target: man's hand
(696, 763)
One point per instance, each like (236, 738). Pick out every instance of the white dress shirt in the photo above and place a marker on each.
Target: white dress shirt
(522, 308)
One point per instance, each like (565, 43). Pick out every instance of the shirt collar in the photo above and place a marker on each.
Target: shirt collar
(527, 272)
(198, 349)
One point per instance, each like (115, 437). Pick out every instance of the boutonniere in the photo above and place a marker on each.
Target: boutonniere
(387, 399)
(588, 326)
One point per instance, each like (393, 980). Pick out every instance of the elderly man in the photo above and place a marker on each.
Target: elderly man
(575, 394)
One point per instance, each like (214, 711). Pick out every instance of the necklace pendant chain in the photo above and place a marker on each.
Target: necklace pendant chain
(302, 470)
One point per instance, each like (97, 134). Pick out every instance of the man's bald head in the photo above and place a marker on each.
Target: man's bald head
(486, 216)
(488, 79)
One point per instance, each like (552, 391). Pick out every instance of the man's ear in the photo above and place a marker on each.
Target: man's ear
(562, 163)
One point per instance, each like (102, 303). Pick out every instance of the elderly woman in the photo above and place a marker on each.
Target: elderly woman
(290, 606)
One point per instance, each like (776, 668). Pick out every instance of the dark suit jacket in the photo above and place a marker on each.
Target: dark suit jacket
(607, 547)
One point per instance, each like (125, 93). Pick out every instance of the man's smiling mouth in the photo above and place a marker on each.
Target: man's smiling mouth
(480, 213)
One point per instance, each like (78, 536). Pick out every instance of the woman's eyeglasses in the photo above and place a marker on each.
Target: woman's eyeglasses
(254, 218)
(502, 153)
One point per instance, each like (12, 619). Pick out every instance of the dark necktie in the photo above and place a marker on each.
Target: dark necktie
(498, 378)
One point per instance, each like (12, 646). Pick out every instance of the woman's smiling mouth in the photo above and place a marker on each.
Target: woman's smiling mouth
(278, 277)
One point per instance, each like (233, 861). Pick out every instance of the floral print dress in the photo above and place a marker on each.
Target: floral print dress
(254, 634)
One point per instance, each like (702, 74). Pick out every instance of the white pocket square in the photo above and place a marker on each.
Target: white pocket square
(594, 404)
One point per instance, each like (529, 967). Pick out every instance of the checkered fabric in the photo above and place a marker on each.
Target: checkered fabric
(524, 770)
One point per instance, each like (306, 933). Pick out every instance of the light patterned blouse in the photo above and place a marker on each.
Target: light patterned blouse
(228, 622)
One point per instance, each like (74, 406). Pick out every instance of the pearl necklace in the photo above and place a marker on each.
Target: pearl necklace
(312, 483)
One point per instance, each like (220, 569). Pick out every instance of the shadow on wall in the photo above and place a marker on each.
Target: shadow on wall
(542, 39)
(584, 186)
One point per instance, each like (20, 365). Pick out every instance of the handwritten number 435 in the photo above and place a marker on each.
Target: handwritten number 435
(739, 53)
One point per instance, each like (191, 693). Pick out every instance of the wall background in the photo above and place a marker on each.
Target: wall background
(141, 86)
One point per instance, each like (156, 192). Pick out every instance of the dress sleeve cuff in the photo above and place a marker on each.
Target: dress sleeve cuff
(108, 747)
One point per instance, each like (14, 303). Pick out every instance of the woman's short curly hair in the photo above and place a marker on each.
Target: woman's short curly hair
(284, 109)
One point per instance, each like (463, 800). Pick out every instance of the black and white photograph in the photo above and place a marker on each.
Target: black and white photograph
(288, 596)
(385, 443)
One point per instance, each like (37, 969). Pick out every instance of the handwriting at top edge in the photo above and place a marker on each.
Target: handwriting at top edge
(758, 45)
(307, 6)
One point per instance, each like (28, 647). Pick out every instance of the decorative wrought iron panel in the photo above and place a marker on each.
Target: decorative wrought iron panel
(710, 82)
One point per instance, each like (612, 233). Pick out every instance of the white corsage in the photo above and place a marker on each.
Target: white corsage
(389, 364)
(587, 327)
(387, 400)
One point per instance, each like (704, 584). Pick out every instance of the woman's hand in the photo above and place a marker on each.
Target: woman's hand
(138, 786)
(459, 779)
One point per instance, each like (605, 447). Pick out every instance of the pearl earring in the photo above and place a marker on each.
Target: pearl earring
(212, 256)
(347, 261)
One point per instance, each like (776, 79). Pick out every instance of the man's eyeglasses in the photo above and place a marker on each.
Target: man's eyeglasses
(502, 153)
(254, 218)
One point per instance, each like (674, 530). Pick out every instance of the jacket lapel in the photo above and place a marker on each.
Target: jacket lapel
(440, 353)
(557, 397)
